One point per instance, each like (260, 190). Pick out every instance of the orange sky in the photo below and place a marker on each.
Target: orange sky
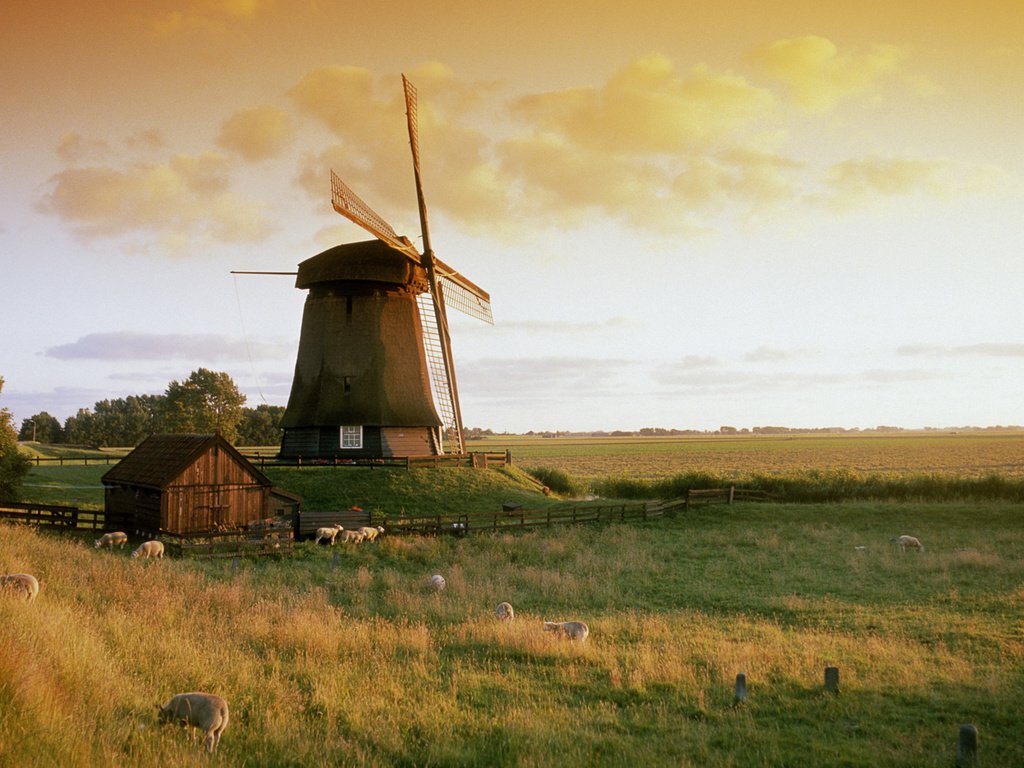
(588, 163)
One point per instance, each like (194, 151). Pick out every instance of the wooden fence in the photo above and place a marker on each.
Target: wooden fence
(475, 459)
(53, 515)
(63, 461)
(461, 523)
(273, 539)
(730, 495)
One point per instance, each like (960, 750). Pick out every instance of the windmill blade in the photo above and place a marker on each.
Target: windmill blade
(466, 301)
(412, 120)
(351, 206)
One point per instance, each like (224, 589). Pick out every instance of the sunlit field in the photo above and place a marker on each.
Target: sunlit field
(969, 454)
(343, 657)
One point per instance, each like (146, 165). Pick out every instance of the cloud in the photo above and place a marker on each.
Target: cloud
(367, 114)
(683, 377)
(820, 76)
(966, 350)
(129, 345)
(73, 148)
(257, 133)
(767, 354)
(206, 17)
(516, 379)
(646, 108)
(561, 327)
(856, 182)
(186, 197)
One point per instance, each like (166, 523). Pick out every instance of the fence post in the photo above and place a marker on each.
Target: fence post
(832, 679)
(741, 688)
(967, 746)
(732, 493)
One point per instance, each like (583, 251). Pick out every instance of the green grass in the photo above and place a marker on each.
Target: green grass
(354, 662)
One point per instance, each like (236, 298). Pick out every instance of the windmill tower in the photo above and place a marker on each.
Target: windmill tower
(374, 375)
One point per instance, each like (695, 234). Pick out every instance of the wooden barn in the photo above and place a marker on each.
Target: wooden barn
(186, 484)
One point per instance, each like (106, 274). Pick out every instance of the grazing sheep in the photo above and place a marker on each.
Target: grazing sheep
(574, 630)
(504, 612)
(110, 540)
(198, 710)
(328, 534)
(149, 549)
(22, 584)
(356, 537)
(437, 582)
(370, 533)
(907, 542)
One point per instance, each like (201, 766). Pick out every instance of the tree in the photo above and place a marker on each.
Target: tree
(78, 429)
(261, 425)
(126, 421)
(207, 401)
(13, 464)
(42, 428)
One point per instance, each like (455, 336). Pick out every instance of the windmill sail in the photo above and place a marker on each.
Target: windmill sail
(444, 383)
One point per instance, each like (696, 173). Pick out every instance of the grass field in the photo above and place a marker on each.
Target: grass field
(968, 454)
(356, 663)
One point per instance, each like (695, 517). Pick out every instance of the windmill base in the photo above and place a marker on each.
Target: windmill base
(377, 442)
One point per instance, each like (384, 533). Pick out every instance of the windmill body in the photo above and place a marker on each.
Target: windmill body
(374, 374)
(361, 384)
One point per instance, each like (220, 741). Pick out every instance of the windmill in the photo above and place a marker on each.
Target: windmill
(374, 373)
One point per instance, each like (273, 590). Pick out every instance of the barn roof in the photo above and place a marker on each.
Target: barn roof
(159, 459)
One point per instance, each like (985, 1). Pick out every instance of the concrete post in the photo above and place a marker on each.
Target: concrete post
(832, 679)
(741, 688)
(967, 746)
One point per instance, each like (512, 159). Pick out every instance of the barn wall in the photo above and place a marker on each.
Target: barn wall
(132, 509)
(203, 507)
(213, 490)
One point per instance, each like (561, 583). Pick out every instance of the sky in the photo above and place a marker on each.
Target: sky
(687, 214)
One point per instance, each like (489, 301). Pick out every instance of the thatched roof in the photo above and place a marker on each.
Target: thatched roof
(159, 459)
(368, 261)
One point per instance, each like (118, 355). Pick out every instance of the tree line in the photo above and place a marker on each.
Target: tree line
(207, 401)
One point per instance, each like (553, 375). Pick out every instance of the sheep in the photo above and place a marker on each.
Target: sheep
(22, 584)
(574, 630)
(370, 533)
(110, 540)
(437, 582)
(504, 612)
(328, 534)
(905, 542)
(197, 710)
(356, 537)
(149, 549)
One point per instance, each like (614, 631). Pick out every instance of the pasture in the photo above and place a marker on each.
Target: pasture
(966, 454)
(342, 656)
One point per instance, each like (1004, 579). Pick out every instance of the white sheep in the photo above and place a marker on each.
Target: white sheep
(437, 582)
(504, 612)
(356, 537)
(370, 533)
(328, 533)
(574, 630)
(198, 710)
(149, 549)
(110, 540)
(22, 584)
(905, 542)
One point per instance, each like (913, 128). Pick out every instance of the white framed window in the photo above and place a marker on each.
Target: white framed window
(352, 437)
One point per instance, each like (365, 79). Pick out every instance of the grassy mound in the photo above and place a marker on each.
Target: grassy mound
(414, 491)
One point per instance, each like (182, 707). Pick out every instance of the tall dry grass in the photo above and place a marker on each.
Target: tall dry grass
(357, 662)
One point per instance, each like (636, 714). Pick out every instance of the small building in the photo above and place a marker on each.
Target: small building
(186, 484)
